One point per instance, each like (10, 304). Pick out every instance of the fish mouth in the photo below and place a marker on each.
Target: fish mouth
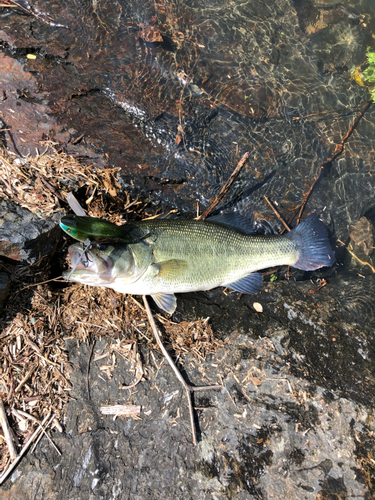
(91, 261)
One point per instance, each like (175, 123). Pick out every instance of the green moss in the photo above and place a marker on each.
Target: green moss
(369, 72)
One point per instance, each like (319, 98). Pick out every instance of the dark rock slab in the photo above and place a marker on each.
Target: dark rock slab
(4, 288)
(292, 421)
(25, 237)
(175, 94)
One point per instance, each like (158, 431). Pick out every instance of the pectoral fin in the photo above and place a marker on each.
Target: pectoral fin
(170, 269)
(249, 284)
(166, 301)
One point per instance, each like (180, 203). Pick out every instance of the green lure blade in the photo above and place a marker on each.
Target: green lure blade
(96, 230)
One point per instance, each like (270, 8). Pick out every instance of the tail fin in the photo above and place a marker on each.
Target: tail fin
(315, 250)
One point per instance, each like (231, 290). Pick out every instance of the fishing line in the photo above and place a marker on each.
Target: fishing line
(78, 210)
(88, 245)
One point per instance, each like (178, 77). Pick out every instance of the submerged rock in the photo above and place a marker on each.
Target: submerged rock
(175, 98)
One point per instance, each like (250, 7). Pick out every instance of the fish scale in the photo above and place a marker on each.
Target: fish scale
(216, 255)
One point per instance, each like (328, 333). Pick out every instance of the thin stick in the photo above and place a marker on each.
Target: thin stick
(226, 186)
(338, 150)
(139, 366)
(7, 432)
(41, 283)
(26, 378)
(307, 196)
(173, 366)
(337, 111)
(12, 167)
(51, 188)
(14, 464)
(41, 434)
(20, 413)
(188, 388)
(361, 261)
(276, 213)
(35, 14)
(88, 369)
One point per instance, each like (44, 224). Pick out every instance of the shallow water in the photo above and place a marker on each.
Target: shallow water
(176, 94)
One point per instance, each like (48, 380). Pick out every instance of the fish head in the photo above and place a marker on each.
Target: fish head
(101, 265)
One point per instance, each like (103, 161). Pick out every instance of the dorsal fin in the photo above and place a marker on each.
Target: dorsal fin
(235, 221)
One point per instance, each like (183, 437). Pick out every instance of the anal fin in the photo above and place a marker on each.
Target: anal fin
(252, 283)
(166, 301)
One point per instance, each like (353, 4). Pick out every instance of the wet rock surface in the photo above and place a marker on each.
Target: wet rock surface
(292, 421)
(175, 94)
(25, 237)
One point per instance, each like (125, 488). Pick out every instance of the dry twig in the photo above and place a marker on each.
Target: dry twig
(7, 432)
(14, 464)
(121, 410)
(276, 212)
(226, 186)
(188, 388)
(88, 370)
(338, 150)
(138, 369)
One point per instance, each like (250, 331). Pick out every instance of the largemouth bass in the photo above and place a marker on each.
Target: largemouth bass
(178, 256)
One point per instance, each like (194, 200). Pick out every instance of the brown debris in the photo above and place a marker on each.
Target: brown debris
(196, 337)
(34, 367)
(7, 432)
(121, 411)
(362, 235)
(150, 34)
(42, 182)
(321, 284)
